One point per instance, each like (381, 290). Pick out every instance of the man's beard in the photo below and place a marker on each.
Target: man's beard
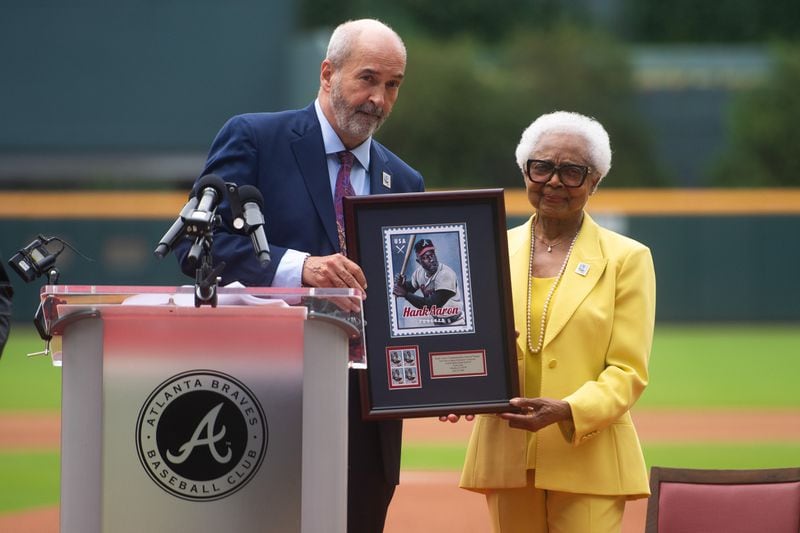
(360, 121)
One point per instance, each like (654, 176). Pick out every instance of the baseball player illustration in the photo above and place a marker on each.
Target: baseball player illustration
(433, 289)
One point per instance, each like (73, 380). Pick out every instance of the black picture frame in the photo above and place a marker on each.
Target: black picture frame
(460, 356)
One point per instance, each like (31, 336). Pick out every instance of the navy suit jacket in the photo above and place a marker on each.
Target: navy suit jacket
(283, 155)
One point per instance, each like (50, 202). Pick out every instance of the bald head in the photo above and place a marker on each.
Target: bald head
(355, 34)
(360, 78)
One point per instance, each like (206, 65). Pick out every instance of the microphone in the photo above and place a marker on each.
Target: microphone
(176, 231)
(252, 221)
(210, 190)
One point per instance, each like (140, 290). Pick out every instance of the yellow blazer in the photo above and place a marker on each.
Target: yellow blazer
(596, 348)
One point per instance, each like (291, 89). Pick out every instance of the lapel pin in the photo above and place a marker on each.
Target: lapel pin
(387, 180)
(582, 269)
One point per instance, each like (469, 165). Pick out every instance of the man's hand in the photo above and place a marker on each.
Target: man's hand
(537, 413)
(334, 271)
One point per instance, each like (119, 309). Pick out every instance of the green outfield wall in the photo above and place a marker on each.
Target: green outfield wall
(718, 257)
(138, 76)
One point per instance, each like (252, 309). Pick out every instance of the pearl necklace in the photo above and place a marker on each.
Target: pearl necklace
(543, 322)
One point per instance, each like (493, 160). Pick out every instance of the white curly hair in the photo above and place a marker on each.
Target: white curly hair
(568, 122)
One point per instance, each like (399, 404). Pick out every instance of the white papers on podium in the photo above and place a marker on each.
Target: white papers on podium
(186, 299)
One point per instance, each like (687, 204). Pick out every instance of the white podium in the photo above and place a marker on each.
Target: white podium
(182, 419)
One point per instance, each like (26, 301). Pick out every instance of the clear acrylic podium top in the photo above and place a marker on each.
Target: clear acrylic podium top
(62, 304)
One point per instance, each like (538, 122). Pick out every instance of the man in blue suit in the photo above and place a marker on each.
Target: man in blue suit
(293, 158)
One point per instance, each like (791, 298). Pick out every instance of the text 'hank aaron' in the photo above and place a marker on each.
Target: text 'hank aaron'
(431, 311)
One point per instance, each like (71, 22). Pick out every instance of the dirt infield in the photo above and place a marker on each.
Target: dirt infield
(29, 431)
(41, 430)
(432, 501)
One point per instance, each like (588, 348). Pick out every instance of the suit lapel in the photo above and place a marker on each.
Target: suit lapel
(314, 168)
(380, 175)
(519, 245)
(587, 257)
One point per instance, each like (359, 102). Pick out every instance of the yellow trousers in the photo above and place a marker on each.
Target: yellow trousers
(532, 510)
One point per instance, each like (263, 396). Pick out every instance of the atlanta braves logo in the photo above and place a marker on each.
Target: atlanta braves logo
(206, 425)
(201, 435)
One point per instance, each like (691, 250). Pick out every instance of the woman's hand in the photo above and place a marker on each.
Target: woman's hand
(455, 418)
(536, 413)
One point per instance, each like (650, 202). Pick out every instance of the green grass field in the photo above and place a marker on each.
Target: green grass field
(705, 367)
(28, 383)
(730, 366)
(737, 366)
(28, 480)
(688, 455)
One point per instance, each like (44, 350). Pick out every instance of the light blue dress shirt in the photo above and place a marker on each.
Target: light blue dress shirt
(290, 270)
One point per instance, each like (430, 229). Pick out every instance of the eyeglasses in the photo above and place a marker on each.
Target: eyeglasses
(539, 171)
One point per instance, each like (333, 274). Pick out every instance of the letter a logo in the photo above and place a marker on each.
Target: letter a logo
(206, 425)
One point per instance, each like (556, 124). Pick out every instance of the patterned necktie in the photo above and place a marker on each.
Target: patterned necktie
(343, 188)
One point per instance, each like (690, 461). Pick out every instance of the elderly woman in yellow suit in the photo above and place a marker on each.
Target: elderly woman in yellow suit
(584, 304)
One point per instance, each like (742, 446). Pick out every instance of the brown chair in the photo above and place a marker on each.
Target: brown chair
(686, 500)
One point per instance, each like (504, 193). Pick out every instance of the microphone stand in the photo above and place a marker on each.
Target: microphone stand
(207, 276)
(200, 224)
(39, 316)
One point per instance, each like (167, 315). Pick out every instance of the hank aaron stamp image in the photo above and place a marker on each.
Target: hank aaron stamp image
(427, 277)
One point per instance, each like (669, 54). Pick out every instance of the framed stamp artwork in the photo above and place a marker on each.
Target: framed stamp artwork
(439, 329)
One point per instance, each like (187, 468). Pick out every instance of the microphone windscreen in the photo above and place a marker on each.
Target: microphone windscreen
(213, 181)
(250, 193)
